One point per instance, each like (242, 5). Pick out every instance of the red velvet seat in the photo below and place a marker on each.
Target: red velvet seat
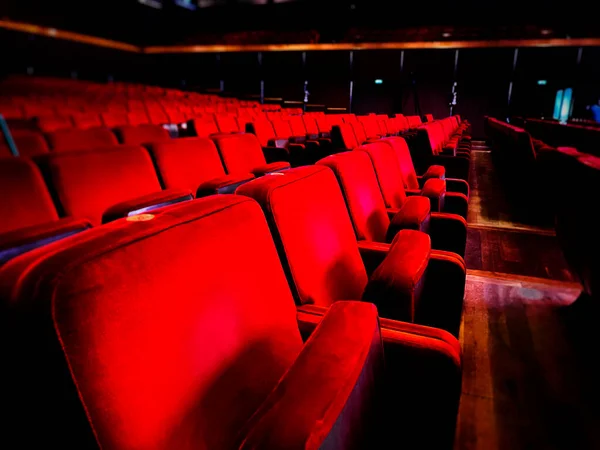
(194, 164)
(109, 183)
(28, 143)
(393, 173)
(361, 186)
(242, 153)
(319, 243)
(141, 134)
(75, 139)
(227, 124)
(89, 120)
(48, 124)
(204, 128)
(111, 120)
(29, 218)
(139, 351)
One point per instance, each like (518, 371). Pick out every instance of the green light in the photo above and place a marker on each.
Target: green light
(542, 82)
(378, 81)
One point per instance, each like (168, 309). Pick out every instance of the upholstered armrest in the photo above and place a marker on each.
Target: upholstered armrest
(448, 232)
(456, 185)
(423, 368)
(456, 166)
(146, 203)
(330, 395)
(17, 242)
(372, 254)
(435, 190)
(414, 215)
(442, 298)
(223, 185)
(275, 153)
(268, 168)
(435, 172)
(455, 203)
(396, 285)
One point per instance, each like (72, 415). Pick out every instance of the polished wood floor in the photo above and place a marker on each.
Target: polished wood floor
(530, 377)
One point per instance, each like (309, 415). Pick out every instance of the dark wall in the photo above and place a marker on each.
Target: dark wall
(484, 77)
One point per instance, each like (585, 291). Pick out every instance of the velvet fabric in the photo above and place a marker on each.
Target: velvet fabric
(414, 215)
(138, 351)
(435, 190)
(141, 134)
(358, 181)
(434, 172)
(330, 396)
(204, 128)
(25, 200)
(89, 120)
(187, 163)
(137, 344)
(88, 183)
(310, 223)
(242, 153)
(48, 124)
(227, 184)
(396, 285)
(29, 143)
(75, 139)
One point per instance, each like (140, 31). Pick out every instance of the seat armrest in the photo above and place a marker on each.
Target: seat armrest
(434, 357)
(396, 285)
(270, 168)
(448, 232)
(332, 393)
(442, 298)
(456, 185)
(412, 192)
(146, 203)
(17, 242)
(223, 185)
(414, 215)
(372, 254)
(435, 172)
(435, 190)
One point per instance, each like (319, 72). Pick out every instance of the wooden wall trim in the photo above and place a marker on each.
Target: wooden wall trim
(580, 42)
(101, 42)
(68, 36)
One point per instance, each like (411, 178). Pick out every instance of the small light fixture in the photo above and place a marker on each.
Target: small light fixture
(446, 34)
(542, 82)
(545, 32)
(378, 81)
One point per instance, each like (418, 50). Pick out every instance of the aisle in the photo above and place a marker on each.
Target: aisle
(529, 375)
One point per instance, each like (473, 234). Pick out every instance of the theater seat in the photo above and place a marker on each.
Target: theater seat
(414, 182)
(75, 139)
(242, 153)
(392, 181)
(105, 184)
(141, 134)
(194, 164)
(373, 221)
(311, 223)
(139, 351)
(29, 218)
(28, 143)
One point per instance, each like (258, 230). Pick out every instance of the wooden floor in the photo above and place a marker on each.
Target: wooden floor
(530, 379)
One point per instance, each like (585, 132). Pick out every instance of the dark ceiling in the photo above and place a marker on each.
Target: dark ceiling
(310, 20)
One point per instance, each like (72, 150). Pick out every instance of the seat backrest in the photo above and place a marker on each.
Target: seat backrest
(370, 125)
(282, 128)
(387, 170)
(297, 126)
(140, 348)
(185, 163)
(354, 171)
(227, 124)
(414, 121)
(137, 118)
(429, 117)
(343, 137)
(311, 227)
(114, 119)
(48, 124)
(263, 130)
(86, 120)
(141, 134)
(205, 127)
(88, 183)
(240, 153)
(310, 123)
(75, 139)
(324, 123)
(28, 143)
(400, 147)
(359, 132)
(25, 200)
(401, 122)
